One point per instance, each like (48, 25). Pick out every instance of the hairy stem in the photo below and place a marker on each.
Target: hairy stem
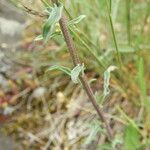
(76, 61)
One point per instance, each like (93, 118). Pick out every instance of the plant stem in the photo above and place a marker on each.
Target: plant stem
(100, 63)
(128, 21)
(109, 9)
(115, 41)
(85, 84)
(110, 5)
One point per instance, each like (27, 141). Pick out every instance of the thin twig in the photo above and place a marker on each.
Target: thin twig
(76, 61)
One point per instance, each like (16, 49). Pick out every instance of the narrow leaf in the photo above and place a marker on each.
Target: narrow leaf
(61, 68)
(38, 38)
(107, 79)
(76, 20)
(116, 141)
(142, 84)
(115, 7)
(131, 138)
(76, 72)
(93, 134)
(126, 49)
(141, 79)
(95, 129)
(45, 3)
(54, 17)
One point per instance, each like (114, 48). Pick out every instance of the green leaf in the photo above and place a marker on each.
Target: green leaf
(125, 116)
(126, 50)
(141, 77)
(105, 147)
(54, 34)
(45, 3)
(142, 83)
(131, 138)
(76, 20)
(107, 79)
(115, 8)
(54, 17)
(38, 38)
(116, 141)
(76, 72)
(93, 134)
(61, 68)
(95, 129)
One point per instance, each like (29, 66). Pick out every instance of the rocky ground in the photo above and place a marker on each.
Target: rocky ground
(12, 23)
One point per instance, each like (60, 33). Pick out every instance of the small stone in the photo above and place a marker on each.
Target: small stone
(39, 92)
